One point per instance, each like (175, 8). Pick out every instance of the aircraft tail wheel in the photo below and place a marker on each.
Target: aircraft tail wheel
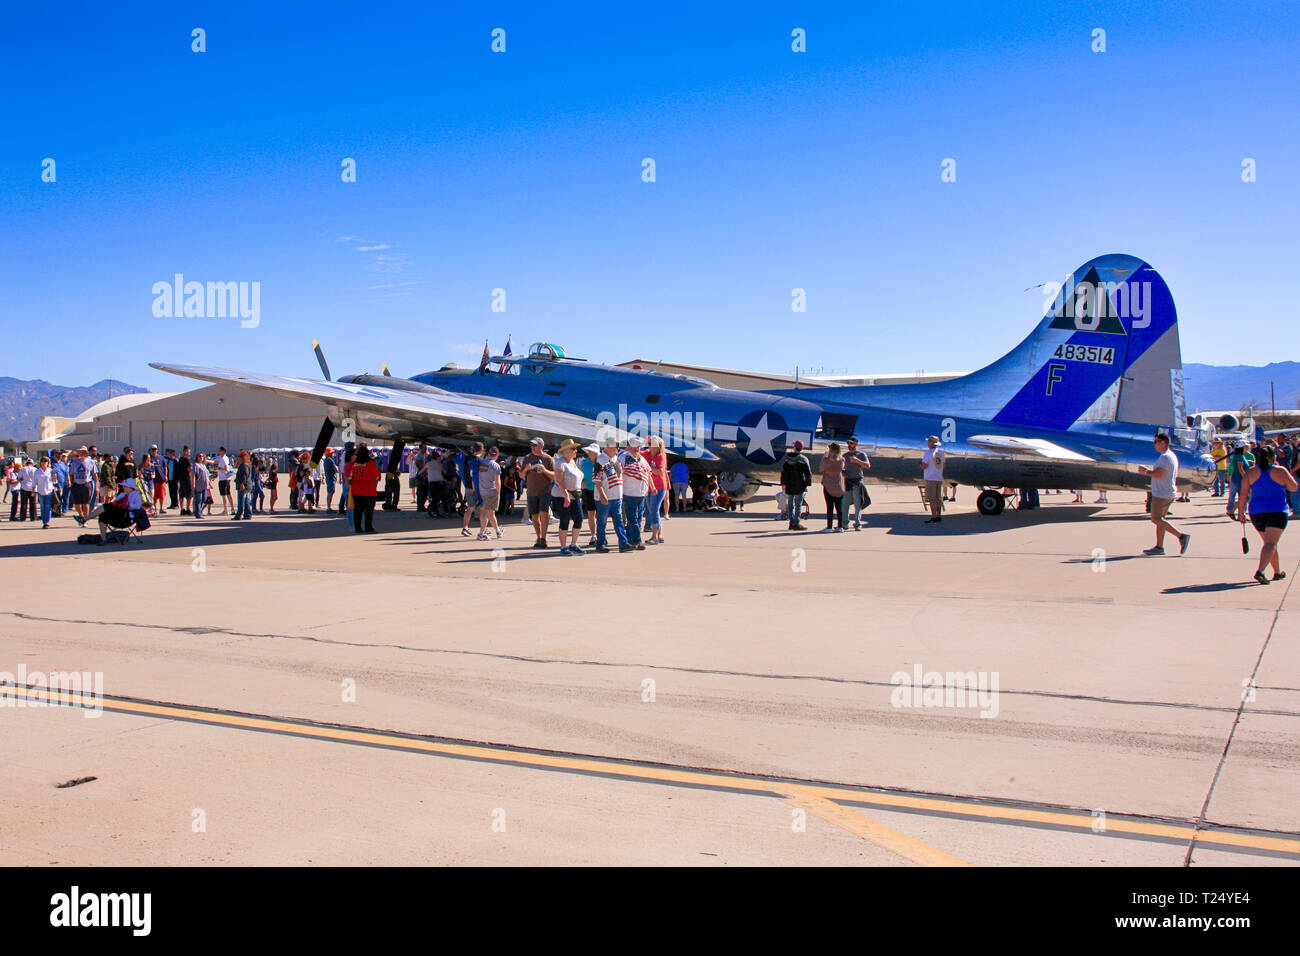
(990, 502)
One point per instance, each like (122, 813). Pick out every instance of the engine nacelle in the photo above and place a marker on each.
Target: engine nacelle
(737, 486)
(1229, 423)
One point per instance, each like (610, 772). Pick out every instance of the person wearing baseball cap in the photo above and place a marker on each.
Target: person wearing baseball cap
(609, 503)
(539, 470)
(855, 492)
(636, 484)
(796, 479)
(932, 462)
(1240, 461)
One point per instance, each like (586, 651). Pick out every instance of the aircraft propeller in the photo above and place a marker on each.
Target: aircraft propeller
(327, 427)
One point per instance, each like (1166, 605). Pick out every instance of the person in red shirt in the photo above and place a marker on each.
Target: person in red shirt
(365, 488)
(659, 480)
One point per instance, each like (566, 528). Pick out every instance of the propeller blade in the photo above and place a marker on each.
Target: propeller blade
(323, 439)
(320, 357)
(384, 369)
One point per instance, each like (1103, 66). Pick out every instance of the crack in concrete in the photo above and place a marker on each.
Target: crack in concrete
(716, 672)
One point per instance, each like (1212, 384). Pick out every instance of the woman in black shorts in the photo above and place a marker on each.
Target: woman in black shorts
(1264, 488)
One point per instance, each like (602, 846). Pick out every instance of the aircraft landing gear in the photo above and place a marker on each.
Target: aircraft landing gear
(990, 502)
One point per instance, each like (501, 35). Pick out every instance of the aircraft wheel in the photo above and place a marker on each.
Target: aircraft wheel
(991, 502)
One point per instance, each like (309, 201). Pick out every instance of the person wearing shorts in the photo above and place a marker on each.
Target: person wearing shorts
(223, 481)
(932, 462)
(539, 471)
(681, 475)
(566, 496)
(1264, 490)
(1164, 482)
(489, 490)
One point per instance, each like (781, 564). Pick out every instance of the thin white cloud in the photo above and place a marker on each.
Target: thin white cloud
(389, 262)
(383, 260)
(395, 285)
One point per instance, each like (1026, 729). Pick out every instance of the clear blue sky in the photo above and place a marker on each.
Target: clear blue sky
(522, 170)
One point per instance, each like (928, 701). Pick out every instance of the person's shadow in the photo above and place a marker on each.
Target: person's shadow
(1210, 588)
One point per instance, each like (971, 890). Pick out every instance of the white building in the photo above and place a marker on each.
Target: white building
(205, 419)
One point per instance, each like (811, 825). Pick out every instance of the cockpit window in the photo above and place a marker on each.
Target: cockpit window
(545, 351)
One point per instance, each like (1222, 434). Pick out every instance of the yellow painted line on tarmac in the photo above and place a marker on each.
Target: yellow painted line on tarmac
(898, 843)
(1004, 814)
(631, 770)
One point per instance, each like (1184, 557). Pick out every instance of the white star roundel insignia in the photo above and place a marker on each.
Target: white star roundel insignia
(761, 436)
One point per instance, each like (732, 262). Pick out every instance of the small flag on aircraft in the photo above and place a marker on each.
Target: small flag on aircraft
(505, 354)
(482, 363)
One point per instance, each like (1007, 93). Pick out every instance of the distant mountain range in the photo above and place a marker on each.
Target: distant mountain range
(22, 403)
(1208, 387)
(1229, 387)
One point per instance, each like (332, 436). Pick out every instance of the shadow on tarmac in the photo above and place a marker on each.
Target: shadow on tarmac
(178, 532)
(1210, 588)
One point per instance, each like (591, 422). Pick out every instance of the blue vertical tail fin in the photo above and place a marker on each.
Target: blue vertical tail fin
(1106, 350)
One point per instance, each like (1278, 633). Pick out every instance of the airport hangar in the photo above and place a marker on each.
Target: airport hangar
(217, 416)
(206, 419)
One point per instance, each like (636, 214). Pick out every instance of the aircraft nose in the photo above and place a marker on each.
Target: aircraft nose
(1205, 467)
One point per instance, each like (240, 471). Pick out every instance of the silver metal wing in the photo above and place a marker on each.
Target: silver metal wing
(436, 412)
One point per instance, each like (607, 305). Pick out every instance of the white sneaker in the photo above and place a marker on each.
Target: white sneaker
(501, 532)
(482, 536)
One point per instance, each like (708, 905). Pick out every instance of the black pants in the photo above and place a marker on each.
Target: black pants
(834, 506)
(436, 503)
(363, 512)
(172, 487)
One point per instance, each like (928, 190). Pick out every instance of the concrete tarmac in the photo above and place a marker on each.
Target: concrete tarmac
(281, 691)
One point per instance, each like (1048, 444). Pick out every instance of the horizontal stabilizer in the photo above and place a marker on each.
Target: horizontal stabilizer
(1026, 447)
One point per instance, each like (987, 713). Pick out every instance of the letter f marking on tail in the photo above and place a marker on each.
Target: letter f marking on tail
(1054, 371)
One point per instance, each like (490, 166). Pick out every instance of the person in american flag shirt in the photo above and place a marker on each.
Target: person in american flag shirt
(636, 484)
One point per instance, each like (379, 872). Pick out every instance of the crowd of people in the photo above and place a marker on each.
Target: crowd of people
(629, 486)
(121, 492)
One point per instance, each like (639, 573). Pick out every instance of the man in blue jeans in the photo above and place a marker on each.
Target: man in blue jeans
(1240, 461)
(636, 482)
(609, 495)
(796, 479)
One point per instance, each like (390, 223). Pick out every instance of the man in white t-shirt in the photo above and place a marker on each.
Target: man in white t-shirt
(1164, 485)
(27, 491)
(223, 480)
(932, 462)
